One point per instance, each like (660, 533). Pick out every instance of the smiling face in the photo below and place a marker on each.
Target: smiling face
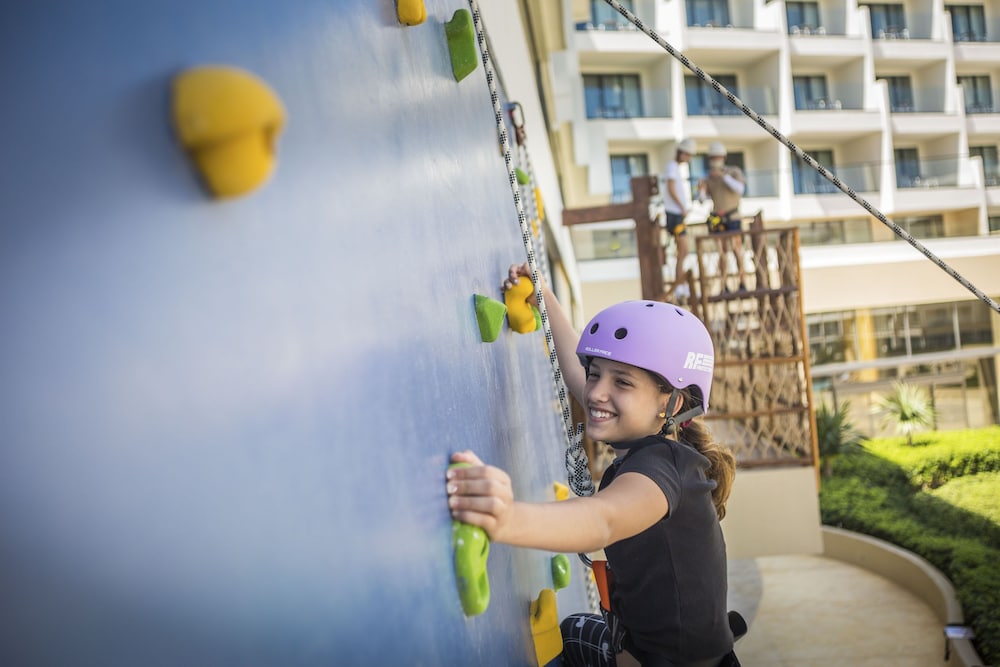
(623, 402)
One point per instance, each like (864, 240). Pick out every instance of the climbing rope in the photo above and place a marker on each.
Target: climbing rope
(577, 469)
(802, 155)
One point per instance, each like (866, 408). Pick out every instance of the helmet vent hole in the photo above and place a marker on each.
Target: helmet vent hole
(594, 328)
(621, 333)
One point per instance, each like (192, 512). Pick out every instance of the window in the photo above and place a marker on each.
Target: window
(604, 17)
(907, 167)
(714, 13)
(810, 92)
(900, 93)
(888, 21)
(702, 100)
(974, 324)
(612, 95)
(835, 232)
(994, 223)
(830, 337)
(623, 169)
(978, 94)
(991, 166)
(802, 15)
(968, 23)
(808, 181)
(933, 328)
(922, 227)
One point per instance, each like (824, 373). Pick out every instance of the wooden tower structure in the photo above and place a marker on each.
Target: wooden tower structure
(761, 402)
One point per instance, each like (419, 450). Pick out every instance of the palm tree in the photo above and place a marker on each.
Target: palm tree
(835, 434)
(908, 408)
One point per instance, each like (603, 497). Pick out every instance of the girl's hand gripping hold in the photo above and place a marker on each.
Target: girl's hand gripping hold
(480, 495)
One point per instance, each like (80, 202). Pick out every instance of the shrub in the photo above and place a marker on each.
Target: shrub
(884, 490)
(835, 434)
(907, 408)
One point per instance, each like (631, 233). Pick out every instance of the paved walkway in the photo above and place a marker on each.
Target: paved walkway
(811, 611)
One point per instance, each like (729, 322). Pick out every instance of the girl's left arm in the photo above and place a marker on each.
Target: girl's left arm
(481, 495)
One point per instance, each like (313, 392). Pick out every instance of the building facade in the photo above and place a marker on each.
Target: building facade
(899, 100)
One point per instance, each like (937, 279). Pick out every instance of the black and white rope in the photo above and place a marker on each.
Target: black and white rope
(802, 155)
(579, 484)
(574, 448)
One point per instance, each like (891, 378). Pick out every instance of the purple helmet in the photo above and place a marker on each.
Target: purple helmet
(658, 337)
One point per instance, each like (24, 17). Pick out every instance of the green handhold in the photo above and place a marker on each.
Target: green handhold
(522, 178)
(472, 548)
(461, 44)
(538, 318)
(490, 315)
(561, 573)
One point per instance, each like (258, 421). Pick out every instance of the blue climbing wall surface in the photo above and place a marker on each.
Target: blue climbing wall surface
(224, 425)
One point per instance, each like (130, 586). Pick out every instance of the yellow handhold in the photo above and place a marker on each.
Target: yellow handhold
(539, 204)
(561, 490)
(229, 121)
(411, 12)
(520, 313)
(545, 627)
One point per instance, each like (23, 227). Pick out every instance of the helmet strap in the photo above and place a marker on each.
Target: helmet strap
(674, 421)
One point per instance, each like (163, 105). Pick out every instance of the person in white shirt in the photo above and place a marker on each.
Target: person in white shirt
(675, 204)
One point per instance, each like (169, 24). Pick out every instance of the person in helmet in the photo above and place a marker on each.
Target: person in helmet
(676, 203)
(643, 372)
(725, 186)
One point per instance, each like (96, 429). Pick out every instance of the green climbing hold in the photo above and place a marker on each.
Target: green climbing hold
(471, 547)
(538, 318)
(461, 44)
(522, 178)
(490, 315)
(561, 573)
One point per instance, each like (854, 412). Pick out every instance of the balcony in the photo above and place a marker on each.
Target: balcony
(982, 116)
(858, 177)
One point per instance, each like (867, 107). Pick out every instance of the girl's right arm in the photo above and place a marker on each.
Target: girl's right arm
(482, 495)
(564, 335)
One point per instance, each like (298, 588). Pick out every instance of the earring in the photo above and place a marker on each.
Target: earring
(662, 415)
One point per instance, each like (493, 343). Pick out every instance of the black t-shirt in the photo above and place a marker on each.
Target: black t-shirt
(670, 580)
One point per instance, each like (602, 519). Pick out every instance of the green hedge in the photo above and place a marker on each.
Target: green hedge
(900, 494)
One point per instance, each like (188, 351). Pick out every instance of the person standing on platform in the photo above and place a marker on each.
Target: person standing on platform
(676, 203)
(725, 186)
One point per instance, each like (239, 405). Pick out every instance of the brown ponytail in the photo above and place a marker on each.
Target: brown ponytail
(723, 463)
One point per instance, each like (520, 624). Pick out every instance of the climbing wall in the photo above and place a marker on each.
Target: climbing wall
(224, 424)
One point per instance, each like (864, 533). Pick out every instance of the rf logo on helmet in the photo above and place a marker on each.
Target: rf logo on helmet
(698, 361)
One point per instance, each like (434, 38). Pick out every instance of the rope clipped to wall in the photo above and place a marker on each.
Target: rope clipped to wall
(802, 155)
(577, 468)
(578, 471)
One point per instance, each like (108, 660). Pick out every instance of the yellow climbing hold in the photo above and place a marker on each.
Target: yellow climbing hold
(411, 12)
(229, 121)
(539, 204)
(545, 626)
(520, 313)
(561, 490)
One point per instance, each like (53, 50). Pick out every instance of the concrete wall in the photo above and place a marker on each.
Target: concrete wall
(773, 511)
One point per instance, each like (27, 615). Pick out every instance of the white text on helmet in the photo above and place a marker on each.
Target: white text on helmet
(597, 350)
(698, 361)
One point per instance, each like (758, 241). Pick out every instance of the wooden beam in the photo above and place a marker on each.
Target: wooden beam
(647, 233)
(582, 216)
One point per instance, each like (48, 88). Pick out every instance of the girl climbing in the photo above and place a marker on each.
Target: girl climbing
(643, 372)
